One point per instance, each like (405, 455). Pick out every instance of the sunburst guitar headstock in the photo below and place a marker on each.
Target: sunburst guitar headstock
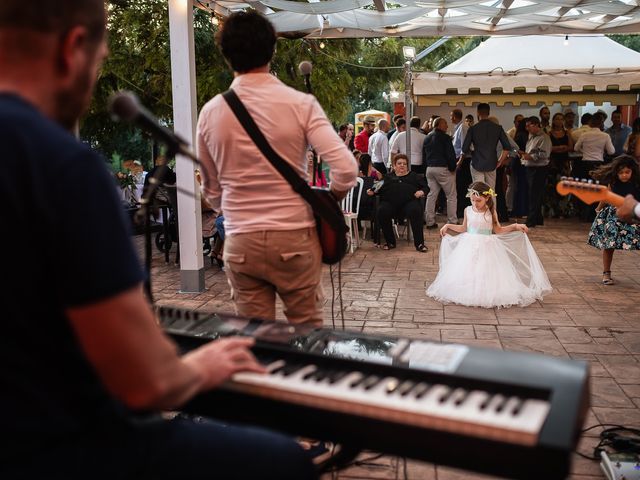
(588, 191)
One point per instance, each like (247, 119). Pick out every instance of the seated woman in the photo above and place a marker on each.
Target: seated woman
(400, 196)
(366, 208)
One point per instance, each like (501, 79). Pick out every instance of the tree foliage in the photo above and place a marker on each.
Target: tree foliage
(629, 41)
(349, 75)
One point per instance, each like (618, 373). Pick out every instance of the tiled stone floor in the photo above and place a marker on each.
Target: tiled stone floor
(384, 292)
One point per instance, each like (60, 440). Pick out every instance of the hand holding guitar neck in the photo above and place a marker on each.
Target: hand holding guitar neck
(626, 212)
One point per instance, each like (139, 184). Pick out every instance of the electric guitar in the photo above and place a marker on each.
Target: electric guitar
(588, 192)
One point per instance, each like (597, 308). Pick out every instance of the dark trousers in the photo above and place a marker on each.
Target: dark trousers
(537, 180)
(419, 169)
(463, 180)
(501, 199)
(412, 210)
(381, 167)
(182, 448)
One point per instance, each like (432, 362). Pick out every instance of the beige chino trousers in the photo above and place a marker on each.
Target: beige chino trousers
(260, 264)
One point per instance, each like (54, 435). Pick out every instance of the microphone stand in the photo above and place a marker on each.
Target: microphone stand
(144, 215)
(307, 82)
(317, 165)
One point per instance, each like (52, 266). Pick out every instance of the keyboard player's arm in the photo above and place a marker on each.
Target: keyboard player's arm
(139, 365)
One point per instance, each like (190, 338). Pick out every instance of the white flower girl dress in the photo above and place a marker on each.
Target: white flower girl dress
(481, 269)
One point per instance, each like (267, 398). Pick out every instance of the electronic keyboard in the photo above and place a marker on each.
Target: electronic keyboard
(516, 415)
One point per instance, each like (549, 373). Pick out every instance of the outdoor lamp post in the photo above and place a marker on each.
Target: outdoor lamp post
(409, 54)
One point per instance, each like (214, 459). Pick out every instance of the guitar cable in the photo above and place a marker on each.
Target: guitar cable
(616, 437)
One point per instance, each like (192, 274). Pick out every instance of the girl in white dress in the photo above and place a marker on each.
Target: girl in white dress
(487, 265)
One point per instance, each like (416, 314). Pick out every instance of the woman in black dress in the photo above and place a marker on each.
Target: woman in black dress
(400, 196)
(521, 195)
(561, 145)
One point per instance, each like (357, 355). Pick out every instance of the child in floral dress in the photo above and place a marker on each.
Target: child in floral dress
(608, 233)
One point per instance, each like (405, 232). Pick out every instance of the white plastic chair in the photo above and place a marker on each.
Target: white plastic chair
(351, 213)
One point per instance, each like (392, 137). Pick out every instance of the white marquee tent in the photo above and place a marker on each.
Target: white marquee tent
(549, 68)
(419, 18)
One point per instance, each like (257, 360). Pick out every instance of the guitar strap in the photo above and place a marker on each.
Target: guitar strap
(297, 183)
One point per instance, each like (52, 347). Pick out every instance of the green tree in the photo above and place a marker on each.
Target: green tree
(349, 75)
(629, 41)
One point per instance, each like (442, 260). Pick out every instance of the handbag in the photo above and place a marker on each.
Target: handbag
(330, 224)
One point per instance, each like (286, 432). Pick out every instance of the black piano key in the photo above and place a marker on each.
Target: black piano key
(310, 375)
(291, 368)
(371, 381)
(357, 382)
(517, 408)
(421, 390)
(405, 388)
(321, 373)
(501, 404)
(337, 375)
(462, 397)
(486, 402)
(446, 396)
(279, 369)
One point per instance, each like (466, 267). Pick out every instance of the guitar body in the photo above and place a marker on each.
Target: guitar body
(332, 232)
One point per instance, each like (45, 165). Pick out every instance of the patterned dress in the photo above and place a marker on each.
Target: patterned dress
(608, 232)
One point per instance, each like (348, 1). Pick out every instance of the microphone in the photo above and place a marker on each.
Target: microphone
(126, 107)
(305, 68)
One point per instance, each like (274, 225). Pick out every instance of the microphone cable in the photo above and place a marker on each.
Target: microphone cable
(333, 295)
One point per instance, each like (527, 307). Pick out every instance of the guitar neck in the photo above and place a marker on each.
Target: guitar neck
(613, 198)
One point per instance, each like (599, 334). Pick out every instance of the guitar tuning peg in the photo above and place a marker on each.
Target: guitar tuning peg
(563, 178)
(597, 182)
(584, 180)
(590, 182)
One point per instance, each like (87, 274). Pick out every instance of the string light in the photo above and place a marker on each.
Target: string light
(214, 20)
(321, 44)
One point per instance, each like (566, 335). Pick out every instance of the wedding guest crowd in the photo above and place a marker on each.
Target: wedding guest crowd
(522, 165)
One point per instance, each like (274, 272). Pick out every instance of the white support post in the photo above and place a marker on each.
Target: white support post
(183, 79)
(408, 111)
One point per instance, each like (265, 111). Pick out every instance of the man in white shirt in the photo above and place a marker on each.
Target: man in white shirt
(576, 133)
(593, 144)
(379, 146)
(271, 244)
(458, 130)
(401, 126)
(399, 145)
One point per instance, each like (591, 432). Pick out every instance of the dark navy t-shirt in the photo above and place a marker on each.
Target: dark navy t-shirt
(64, 242)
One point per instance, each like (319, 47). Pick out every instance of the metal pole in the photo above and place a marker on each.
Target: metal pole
(407, 106)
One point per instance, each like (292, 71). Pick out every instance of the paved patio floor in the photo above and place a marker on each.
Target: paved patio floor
(384, 291)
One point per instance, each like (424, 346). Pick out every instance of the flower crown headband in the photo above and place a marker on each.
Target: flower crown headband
(487, 193)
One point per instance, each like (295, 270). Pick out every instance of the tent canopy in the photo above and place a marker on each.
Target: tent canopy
(510, 69)
(428, 18)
